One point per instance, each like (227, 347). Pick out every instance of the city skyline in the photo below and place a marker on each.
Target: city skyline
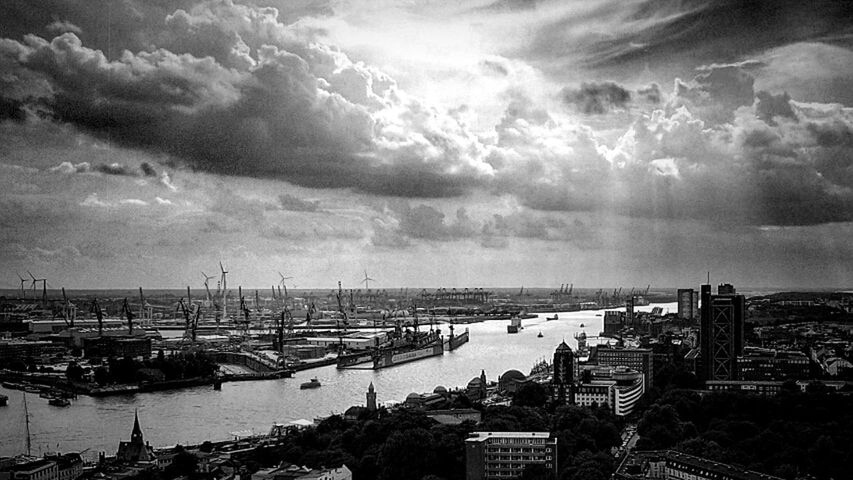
(490, 143)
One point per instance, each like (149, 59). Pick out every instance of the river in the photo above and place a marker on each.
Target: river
(192, 415)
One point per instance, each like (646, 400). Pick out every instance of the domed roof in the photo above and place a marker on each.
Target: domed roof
(439, 389)
(474, 383)
(413, 396)
(513, 375)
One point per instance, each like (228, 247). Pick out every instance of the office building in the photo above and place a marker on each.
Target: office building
(721, 332)
(766, 364)
(502, 455)
(688, 304)
(619, 388)
(562, 382)
(639, 359)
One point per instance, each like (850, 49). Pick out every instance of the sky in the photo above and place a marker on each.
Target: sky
(426, 143)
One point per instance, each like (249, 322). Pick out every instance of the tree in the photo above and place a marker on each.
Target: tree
(531, 395)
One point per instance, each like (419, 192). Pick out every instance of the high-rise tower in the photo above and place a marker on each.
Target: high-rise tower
(721, 332)
(562, 383)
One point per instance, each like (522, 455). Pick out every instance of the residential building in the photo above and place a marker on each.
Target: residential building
(501, 455)
(672, 465)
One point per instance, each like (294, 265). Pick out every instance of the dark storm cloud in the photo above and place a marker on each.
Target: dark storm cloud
(597, 98)
(295, 204)
(651, 93)
(229, 88)
(259, 101)
(145, 169)
(723, 31)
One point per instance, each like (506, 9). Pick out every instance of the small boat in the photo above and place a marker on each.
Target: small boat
(314, 383)
(581, 325)
(3, 400)
(59, 402)
(597, 314)
(540, 335)
(555, 317)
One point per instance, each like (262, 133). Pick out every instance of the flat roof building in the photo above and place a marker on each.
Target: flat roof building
(502, 455)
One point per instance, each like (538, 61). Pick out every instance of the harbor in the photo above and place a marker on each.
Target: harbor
(195, 414)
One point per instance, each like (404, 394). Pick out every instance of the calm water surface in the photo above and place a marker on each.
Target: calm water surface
(197, 414)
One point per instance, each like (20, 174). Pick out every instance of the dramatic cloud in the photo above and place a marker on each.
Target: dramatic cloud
(528, 128)
(295, 204)
(597, 97)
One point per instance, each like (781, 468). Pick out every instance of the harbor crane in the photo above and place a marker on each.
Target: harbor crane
(99, 314)
(191, 324)
(128, 313)
(68, 311)
(341, 309)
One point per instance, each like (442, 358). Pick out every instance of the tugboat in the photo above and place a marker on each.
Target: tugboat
(555, 317)
(314, 383)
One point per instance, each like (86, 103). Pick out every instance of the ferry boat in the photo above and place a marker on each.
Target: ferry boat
(313, 383)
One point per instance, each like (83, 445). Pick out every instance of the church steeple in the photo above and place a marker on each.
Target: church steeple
(136, 435)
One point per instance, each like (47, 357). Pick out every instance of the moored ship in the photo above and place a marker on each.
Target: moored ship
(514, 325)
(456, 341)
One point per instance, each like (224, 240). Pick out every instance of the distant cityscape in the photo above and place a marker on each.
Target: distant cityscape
(597, 406)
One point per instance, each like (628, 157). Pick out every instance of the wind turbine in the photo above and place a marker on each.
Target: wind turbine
(43, 286)
(206, 286)
(367, 281)
(23, 280)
